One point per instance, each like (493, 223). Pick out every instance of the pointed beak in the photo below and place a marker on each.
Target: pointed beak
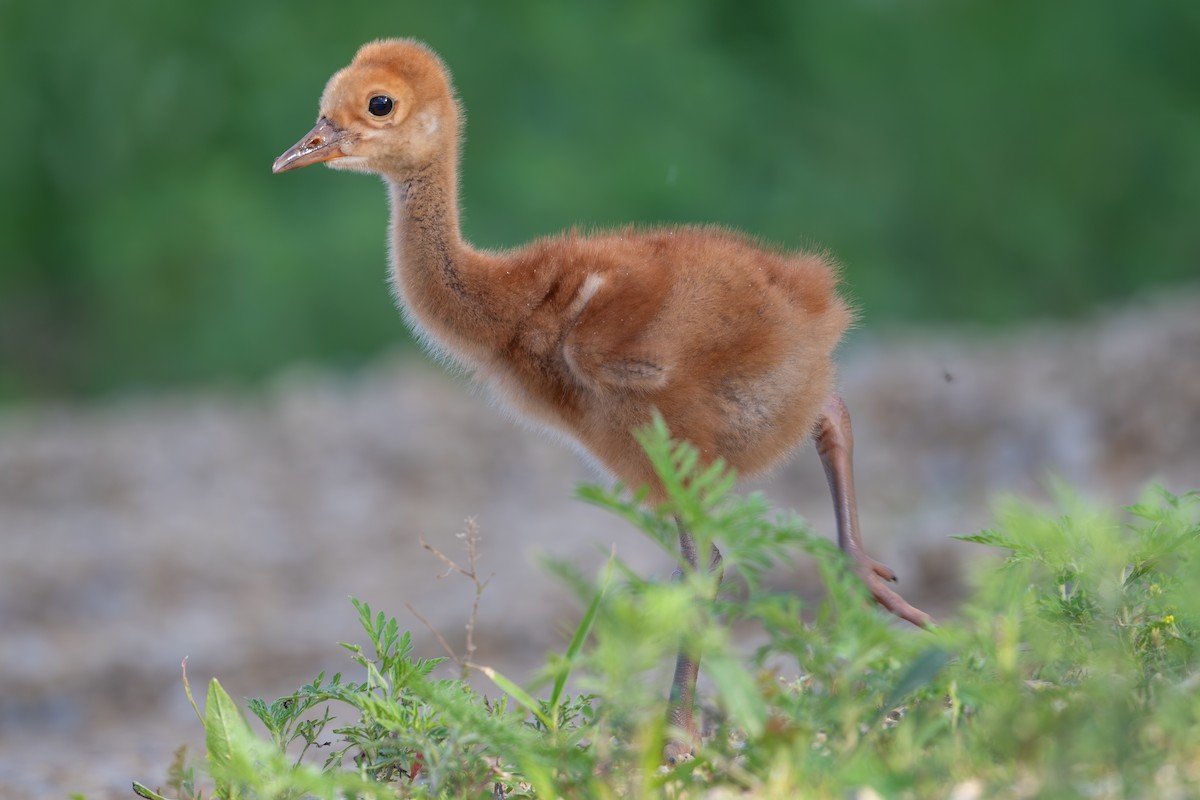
(322, 143)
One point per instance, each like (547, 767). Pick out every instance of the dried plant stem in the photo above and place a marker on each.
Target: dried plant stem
(471, 536)
(436, 634)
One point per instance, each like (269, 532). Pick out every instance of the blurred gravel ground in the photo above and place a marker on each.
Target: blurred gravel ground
(231, 526)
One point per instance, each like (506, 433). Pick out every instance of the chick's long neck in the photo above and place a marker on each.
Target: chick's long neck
(444, 284)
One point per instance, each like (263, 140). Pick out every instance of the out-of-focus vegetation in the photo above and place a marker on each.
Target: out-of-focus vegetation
(1071, 673)
(964, 160)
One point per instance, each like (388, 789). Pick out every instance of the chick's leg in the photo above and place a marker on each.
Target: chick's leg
(682, 731)
(835, 445)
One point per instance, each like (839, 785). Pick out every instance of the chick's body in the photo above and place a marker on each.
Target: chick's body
(586, 335)
(729, 340)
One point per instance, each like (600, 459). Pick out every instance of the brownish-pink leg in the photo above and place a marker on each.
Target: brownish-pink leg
(682, 731)
(835, 445)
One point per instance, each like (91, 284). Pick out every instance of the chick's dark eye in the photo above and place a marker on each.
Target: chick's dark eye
(380, 105)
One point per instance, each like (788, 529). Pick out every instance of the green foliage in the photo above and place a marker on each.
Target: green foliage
(981, 161)
(1070, 672)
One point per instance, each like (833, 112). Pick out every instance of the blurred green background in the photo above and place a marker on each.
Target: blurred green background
(966, 161)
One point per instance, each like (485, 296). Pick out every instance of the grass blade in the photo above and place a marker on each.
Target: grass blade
(582, 631)
(141, 791)
(516, 693)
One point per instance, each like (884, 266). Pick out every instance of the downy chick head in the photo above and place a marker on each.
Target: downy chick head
(392, 111)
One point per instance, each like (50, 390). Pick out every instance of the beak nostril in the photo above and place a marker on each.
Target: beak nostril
(317, 146)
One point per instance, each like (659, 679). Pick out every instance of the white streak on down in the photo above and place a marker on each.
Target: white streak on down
(591, 285)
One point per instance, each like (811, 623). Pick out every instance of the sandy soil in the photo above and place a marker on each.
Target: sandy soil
(231, 526)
